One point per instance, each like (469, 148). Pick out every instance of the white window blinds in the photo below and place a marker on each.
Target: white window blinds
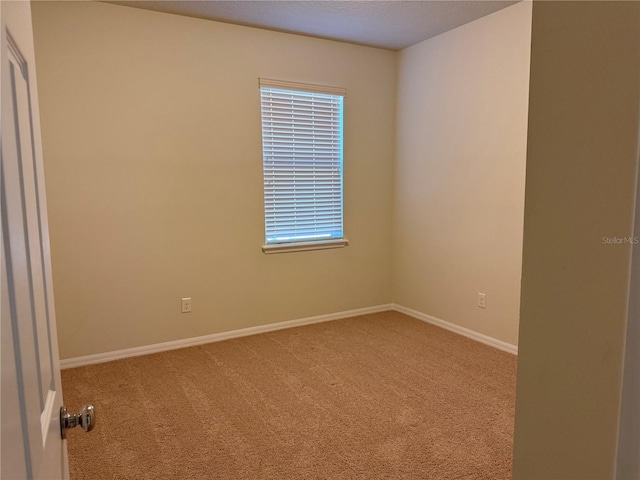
(302, 162)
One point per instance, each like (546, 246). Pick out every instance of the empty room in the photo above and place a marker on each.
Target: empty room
(320, 239)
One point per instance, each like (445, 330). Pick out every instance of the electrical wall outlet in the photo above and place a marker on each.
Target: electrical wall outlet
(482, 300)
(186, 305)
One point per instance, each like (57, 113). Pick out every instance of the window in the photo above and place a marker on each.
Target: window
(302, 164)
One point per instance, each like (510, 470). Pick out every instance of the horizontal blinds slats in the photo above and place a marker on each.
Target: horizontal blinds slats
(307, 108)
(291, 213)
(326, 193)
(306, 225)
(302, 161)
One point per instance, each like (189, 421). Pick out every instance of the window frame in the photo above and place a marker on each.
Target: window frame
(300, 244)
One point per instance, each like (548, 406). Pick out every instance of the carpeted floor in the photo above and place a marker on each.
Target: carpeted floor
(381, 396)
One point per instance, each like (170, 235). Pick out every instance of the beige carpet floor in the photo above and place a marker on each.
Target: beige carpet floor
(381, 396)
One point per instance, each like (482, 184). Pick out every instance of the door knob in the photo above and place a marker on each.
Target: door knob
(86, 418)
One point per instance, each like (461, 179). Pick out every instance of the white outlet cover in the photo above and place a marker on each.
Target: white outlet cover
(186, 305)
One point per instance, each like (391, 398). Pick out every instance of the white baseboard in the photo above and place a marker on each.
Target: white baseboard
(465, 332)
(216, 337)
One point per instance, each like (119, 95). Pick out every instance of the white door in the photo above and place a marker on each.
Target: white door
(31, 395)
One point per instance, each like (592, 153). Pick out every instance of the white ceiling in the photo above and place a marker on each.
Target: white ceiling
(393, 25)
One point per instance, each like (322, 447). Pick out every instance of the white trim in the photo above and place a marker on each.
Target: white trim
(45, 416)
(216, 337)
(303, 246)
(301, 87)
(465, 332)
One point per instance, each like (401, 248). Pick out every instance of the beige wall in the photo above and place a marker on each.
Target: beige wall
(628, 460)
(151, 134)
(581, 171)
(459, 173)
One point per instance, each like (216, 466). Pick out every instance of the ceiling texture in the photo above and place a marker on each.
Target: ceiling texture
(391, 25)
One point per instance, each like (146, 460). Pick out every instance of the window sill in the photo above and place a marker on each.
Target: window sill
(304, 246)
